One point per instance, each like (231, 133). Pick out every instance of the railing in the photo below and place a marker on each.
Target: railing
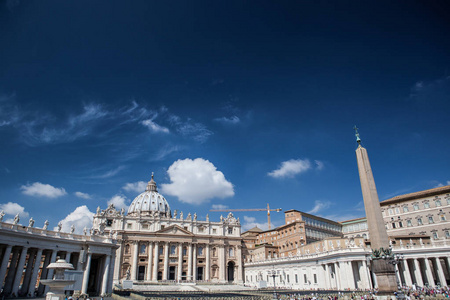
(56, 234)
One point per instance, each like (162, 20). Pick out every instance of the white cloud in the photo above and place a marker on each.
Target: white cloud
(219, 206)
(319, 206)
(119, 202)
(138, 187)
(232, 120)
(82, 195)
(290, 168)
(81, 217)
(42, 190)
(154, 127)
(13, 209)
(196, 181)
(250, 222)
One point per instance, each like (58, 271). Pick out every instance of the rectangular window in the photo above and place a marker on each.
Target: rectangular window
(405, 208)
(409, 223)
(442, 217)
(430, 220)
(419, 221)
(400, 224)
(391, 211)
(129, 226)
(416, 206)
(287, 278)
(438, 203)
(448, 201)
(214, 230)
(296, 277)
(447, 234)
(426, 205)
(315, 278)
(435, 235)
(397, 210)
(305, 278)
(393, 225)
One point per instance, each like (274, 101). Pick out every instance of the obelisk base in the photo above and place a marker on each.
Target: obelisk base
(386, 279)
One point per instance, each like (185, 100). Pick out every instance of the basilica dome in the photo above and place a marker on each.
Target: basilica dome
(150, 202)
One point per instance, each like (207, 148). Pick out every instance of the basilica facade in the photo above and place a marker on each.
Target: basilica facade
(157, 245)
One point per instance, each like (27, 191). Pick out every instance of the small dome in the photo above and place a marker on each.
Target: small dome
(150, 201)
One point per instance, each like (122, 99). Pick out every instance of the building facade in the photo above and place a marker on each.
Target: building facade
(158, 245)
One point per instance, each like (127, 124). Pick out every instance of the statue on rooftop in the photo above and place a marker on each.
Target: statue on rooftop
(31, 222)
(2, 214)
(16, 219)
(45, 225)
(59, 226)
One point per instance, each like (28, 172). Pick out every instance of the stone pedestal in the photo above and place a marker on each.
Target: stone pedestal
(127, 284)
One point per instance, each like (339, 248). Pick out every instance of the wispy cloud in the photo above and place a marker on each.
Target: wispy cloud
(190, 128)
(319, 206)
(154, 127)
(38, 189)
(228, 121)
(108, 174)
(438, 87)
(440, 184)
(219, 206)
(319, 165)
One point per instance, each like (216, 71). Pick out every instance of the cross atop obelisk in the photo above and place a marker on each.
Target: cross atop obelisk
(379, 239)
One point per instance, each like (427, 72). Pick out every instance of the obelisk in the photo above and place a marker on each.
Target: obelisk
(384, 271)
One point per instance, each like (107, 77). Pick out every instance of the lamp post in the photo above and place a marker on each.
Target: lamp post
(272, 273)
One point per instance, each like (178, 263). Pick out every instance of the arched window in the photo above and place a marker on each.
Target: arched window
(214, 252)
(142, 249)
(127, 249)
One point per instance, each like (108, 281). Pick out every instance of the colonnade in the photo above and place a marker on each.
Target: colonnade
(177, 261)
(423, 271)
(20, 266)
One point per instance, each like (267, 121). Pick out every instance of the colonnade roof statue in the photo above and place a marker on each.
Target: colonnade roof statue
(149, 202)
(379, 240)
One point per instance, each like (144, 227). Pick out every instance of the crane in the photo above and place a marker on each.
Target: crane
(252, 209)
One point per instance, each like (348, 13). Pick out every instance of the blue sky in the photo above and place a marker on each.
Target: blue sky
(229, 103)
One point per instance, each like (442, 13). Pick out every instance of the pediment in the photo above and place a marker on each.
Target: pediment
(175, 230)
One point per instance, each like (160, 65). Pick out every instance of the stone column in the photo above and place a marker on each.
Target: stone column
(34, 275)
(105, 276)
(155, 263)
(86, 274)
(239, 261)
(11, 272)
(222, 261)
(440, 272)
(208, 262)
(190, 262)
(180, 261)
(149, 261)
(166, 261)
(19, 272)
(350, 275)
(428, 272)
(447, 259)
(397, 272)
(337, 270)
(417, 272)
(135, 260)
(367, 273)
(44, 272)
(118, 261)
(327, 276)
(194, 262)
(27, 277)
(51, 271)
(4, 265)
(406, 273)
